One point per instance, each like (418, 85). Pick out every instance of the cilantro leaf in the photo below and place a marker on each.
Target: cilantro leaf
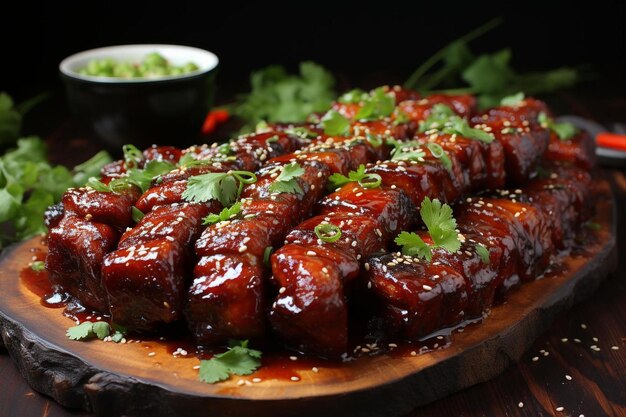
(413, 245)
(237, 360)
(225, 187)
(440, 223)
(277, 96)
(335, 124)
(81, 331)
(353, 96)
(441, 227)
(212, 371)
(365, 180)
(564, 131)
(91, 167)
(226, 214)
(407, 151)
(287, 181)
(442, 118)
(483, 252)
(378, 104)
(101, 329)
(266, 255)
(513, 100)
(38, 266)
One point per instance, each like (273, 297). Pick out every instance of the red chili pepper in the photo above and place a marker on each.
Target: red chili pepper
(213, 119)
(611, 140)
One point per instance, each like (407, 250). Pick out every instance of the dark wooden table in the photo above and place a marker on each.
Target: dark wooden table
(561, 375)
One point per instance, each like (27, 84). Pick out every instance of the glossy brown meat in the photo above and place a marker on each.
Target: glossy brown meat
(76, 249)
(418, 110)
(265, 219)
(102, 207)
(579, 150)
(524, 139)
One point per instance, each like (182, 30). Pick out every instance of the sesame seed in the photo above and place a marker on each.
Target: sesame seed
(295, 379)
(614, 347)
(427, 287)
(256, 380)
(241, 382)
(583, 326)
(282, 290)
(577, 340)
(535, 358)
(367, 266)
(520, 405)
(151, 353)
(413, 353)
(315, 369)
(564, 339)
(196, 367)
(325, 270)
(569, 378)
(311, 253)
(595, 339)
(243, 248)
(293, 358)
(560, 409)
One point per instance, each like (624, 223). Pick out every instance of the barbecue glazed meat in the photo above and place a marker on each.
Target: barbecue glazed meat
(268, 266)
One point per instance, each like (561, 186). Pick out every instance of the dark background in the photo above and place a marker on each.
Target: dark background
(359, 43)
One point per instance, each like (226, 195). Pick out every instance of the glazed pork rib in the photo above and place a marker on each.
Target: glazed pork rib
(88, 227)
(519, 230)
(146, 277)
(308, 270)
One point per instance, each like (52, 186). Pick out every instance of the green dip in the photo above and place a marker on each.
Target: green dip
(154, 65)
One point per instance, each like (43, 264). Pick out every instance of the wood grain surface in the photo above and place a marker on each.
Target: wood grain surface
(538, 382)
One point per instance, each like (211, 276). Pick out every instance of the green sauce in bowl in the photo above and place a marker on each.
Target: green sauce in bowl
(154, 65)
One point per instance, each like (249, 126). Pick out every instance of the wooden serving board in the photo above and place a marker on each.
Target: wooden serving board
(145, 379)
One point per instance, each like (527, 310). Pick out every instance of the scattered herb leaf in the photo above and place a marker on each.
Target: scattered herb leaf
(335, 124)
(287, 181)
(237, 360)
(266, 255)
(483, 252)
(137, 214)
(225, 187)
(365, 180)
(564, 131)
(38, 266)
(226, 214)
(378, 104)
(513, 100)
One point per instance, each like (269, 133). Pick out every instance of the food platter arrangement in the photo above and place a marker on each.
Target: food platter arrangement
(384, 253)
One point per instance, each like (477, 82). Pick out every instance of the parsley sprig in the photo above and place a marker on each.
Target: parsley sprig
(444, 120)
(365, 180)
(441, 227)
(565, 131)
(224, 187)
(287, 181)
(237, 360)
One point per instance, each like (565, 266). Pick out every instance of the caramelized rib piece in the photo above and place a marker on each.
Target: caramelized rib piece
(102, 207)
(579, 150)
(76, 249)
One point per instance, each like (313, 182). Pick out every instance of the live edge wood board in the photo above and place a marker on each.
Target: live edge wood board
(122, 379)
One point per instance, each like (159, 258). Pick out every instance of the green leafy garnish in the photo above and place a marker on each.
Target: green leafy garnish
(287, 181)
(237, 360)
(593, 226)
(99, 329)
(374, 140)
(141, 178)
(29, 184)
(302, 132)
(444, 120)
(438, 152)
(38, 266)
(353, 96)
(91, 167)
(407, 151)
(11, 116)
(513, 100)
(564, 131)
(226, 214)
(365, 180)
(327, 232)
(378, 104)
(335, 124)
(224, 187)
(277, 96)
(137, 214)
(441, 227)
(483, 252)
(266, 255)
(455, 69)
(132, 156)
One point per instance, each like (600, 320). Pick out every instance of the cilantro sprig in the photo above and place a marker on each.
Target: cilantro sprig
(441, 226)
(226, 214)
(225, 187)
(335, 124)
(364, 179)
(565, 131)
(287, 180)
(377, 105)
(513, 99)
(239, 359)
(99, 329)
(443, 119)
(138, 177)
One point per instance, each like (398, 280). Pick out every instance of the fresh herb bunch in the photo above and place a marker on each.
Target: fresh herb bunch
(11, 117)
(455, 69)
(277, 96)
(29, 184)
